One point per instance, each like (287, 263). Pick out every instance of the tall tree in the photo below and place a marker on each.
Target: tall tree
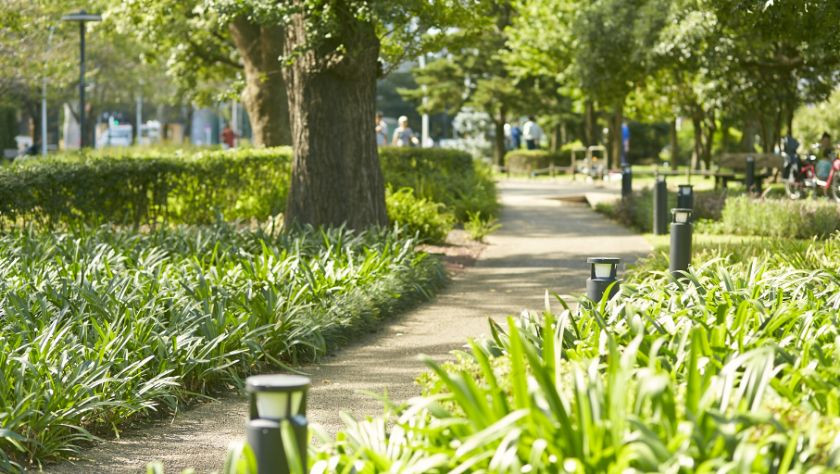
(213, 56)
(613, 37)
(471, 72)
(333, 51)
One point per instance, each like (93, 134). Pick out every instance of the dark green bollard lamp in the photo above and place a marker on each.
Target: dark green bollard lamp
(603, 272)
(276, 399)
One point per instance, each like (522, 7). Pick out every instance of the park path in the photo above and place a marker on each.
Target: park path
(542, 244)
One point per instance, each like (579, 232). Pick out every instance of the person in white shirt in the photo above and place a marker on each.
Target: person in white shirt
(381, 130)
(403, 135)
(532, 133)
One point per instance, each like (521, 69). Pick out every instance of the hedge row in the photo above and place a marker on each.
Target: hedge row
(526, 161)
(145, 189)
(779, 218)
(150, 187)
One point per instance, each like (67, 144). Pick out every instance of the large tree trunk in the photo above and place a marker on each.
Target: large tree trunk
(615, 136)
(589, 137)
(709, 140)
(697, 154)
(336, 178)
(675, 145)
(499, 138)
(264, 96)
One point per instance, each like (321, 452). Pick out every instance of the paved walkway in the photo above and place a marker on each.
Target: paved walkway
(543, 244)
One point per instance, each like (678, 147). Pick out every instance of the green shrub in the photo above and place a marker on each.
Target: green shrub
(780, 217)
(526, 161)
(145, 189)
(735, 369)
(636, 210)
(149, 187)
(418, 216)
(101, 327)
(449, 177)
(479, 227)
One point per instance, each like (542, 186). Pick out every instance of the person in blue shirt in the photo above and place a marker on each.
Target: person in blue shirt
(515, 137)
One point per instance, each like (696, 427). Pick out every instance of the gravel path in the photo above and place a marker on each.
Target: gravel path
(543, 244)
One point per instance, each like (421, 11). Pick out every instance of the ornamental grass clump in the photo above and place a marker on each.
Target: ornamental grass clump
(102, 327)
(736, 369)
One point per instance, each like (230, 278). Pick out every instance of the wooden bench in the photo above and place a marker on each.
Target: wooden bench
(733, 167)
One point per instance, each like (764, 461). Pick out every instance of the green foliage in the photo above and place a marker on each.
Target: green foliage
(418, 216)
(166, 186)
(145, 189)
(780, 217)
(734, 369)
(479, 227)
(526, 161)
(636, 211)
(448, 177)
(812, 120)
(104, 326)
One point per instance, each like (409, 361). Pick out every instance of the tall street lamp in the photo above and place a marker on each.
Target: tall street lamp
(82, 17)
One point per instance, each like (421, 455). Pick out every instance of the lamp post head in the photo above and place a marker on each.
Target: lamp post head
(680, 215)
(277, 396)
(82, 16)
(685, 189)
(603, 268)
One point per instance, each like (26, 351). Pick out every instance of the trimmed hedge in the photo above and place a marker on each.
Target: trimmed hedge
(145, 189)
(637, 210)
(156, 186)
(449, 177)
(780, 217)
(526, 161)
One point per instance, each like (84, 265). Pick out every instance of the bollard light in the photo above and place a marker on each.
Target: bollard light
(685, 196)
(603, 271)
(749, 180)
(681, 230)
(276, 399)
(626, 181)
(660, 206)
(681, 215)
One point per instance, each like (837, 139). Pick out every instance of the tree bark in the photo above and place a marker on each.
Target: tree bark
(264, 96)
(675, 145)
(336, 178)
(615, 136)
(589, 137)
(709, 140)
(499, 138)
(697, 154)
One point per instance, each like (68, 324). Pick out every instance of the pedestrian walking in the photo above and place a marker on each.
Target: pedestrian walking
(515, 137)
(403, 135)
(381, 130)
(229, 137)
(532, 134)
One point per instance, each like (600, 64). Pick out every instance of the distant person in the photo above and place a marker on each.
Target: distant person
(403, 135)
(625, 143)
(515, 137)
(228, 137)
(826, 149)
(381, 130)
(532, 134)
(826, 156)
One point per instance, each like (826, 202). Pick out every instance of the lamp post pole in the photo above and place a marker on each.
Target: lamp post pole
(82, 17)
(44, 99)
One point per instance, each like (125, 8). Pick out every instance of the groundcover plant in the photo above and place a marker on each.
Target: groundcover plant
(102, 326)
(733, 368)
